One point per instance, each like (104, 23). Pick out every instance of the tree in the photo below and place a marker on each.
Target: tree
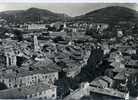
(133, 85)
(89, 72)
(51, 28)
(18, 35)
(3, 86)
(2, 32)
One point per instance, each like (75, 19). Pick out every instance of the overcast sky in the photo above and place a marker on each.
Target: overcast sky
(72, 9)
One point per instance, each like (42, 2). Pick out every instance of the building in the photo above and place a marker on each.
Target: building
(115, 56)
(39, 91)
(10, 58)
(102, 82)
(36, 46)
(57, 34)
(119, 33)
(103, 85)
(109, 92)
(27, 76)
(78, 93)
(36, 26)
(117, 65)
(58, 25)
(99, 26)
(72, 70)
(106, 48)
(123, 77)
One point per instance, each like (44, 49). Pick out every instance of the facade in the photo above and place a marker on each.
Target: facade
(39, 91)
(22, 77)
(10, 58)
(36, 26)
(77, 94)
(98, 26)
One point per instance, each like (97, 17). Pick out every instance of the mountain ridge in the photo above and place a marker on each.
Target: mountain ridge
(32, 15)
(108, 14)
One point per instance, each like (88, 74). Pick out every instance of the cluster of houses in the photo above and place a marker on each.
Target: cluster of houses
(120, 78)
(29, 68)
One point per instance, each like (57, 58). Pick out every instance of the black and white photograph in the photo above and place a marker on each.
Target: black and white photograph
(69, 51)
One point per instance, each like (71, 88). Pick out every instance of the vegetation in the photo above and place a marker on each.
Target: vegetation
(89, 72)
(18, 35)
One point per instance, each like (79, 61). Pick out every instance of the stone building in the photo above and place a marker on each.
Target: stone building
(10, 57)
(36, 46)
(39, 91)
(21, 77)
(36, 26)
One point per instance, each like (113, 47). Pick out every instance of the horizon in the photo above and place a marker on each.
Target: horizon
(71, 9)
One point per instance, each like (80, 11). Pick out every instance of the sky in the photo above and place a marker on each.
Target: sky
(72, 9)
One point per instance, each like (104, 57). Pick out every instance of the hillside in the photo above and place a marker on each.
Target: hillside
(109, 15)
(32, 15)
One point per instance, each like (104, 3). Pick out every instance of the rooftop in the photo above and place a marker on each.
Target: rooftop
(101, 81)
(108, 91)
(124, 73)
(21, 72)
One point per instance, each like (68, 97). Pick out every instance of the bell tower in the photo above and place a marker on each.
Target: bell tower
(36, 46)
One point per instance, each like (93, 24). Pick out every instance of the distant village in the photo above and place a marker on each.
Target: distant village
(68, 60)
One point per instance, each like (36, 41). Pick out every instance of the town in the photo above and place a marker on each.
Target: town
(68, 60)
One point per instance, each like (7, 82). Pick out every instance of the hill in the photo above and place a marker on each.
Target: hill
(104, 15)
(110, 15)
(32, 15)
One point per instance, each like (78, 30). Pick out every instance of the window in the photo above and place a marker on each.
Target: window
(9, 80)
(2, 81)
(20, 81)
(55, 79)
(40, 93)
(9, 85)
(20, 85)
(15, 85)
(53, 89)
(35, 95)
(31, 96)
(25, 97)
(49, 75)
(53, 95)
(45, 97)
(43, 92)
(28, 96)
(35, 77)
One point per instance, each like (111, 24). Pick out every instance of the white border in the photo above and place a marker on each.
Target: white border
(68, 1)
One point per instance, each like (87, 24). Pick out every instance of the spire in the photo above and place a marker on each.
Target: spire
(36, 47)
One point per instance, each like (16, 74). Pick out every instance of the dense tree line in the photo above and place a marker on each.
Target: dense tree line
(105, 34)
(18, 35)
(89, 72)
